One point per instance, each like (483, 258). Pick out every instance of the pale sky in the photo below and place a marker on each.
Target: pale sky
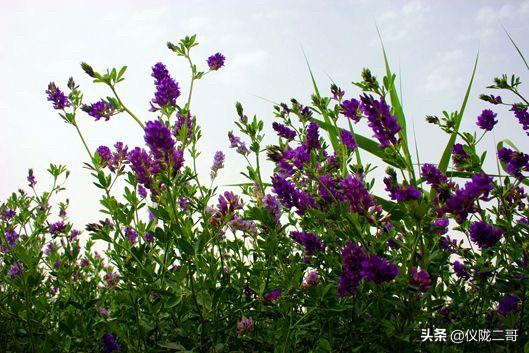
(433, 44)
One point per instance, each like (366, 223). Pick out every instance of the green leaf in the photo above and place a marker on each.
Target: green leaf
(333, 135)
(366, 144)
(517, 49)
(397, 107)
(503, 166)
(445, 159)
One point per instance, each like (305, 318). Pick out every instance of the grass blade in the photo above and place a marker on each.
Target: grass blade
(517, 49)
(445, 159)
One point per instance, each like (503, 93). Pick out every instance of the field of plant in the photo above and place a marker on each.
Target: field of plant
(308, 259)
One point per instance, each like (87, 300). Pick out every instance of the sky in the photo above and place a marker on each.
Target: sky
(432, 45)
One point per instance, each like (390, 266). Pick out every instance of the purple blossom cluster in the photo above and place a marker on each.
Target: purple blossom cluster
(463, 201)
(484, 234)
(218, 163)
(520, 112)
(238, 144)
(459, 156)
(167, 90)
(311, 242)
(380, 120)
(290, 196)
(113, 159)
(486, 120)
(57, 97)
(420, 279)
(16, 270)
(358, 265)
(100, 109)
(515, 162)
(216, 61)
(284, 131)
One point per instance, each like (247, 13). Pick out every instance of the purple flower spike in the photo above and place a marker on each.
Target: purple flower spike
(16, 270)
(218, 163)
(283, 131)
(110, 344)
(167, 90)
(270, 297)
(520, 112)
(383, 124)
(378, 270)
(508, 304)
(216, 61)
(100, 110)
(486, 120)
(55, 95)
(485, 235)
(309, 241)
(350, 108)
(420, 279)
(348, 140)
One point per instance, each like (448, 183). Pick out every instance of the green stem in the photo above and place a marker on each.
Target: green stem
(125, 108)
(82, 139)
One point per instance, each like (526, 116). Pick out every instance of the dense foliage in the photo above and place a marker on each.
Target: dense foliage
(307, 259)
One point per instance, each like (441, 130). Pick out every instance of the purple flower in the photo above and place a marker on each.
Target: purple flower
(313, 139)
(284, 131)
(216, 61)
(516, 162)
(384, 125)
(11, 237)
(354, 191)
(432, 175)
(142, 165)
(218, 163)
(149, 237)
(235, 142)
(229, 203)
(348, 140)
(328, 189)
(245, 326)
(103, 311)
(55, 95)
(486, 120)
(461, 270)
(142, 191)
(270, 297)
(378, 270)
(16, 270)
(398, 192)
(31, 179)
(520, 112)
(57, 227)
(158, 137)
(441, 225)
(167, 90)
(111, 279)
(508, 304)
(159, 72)
(56, 264)
(105, 153)
(352, 257)
(271, 204)
(290, 196)
(420, 279)
(350, 108)
(312, 279)
(187, 122)
(459, 156)
(485, 235)
(462, 202)
(109, 343)
(309, 241)
(247, 226)
(8, 214)
(131, 235)
(100, 109)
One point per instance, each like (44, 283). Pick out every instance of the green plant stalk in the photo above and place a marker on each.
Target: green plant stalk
(125, 108)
